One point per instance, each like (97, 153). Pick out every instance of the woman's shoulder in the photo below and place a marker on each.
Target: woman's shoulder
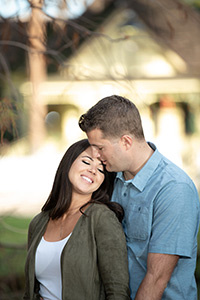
(39, 218)
(103, 219)
(100, 210)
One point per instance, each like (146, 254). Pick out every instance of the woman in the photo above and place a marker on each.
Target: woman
(76, 245)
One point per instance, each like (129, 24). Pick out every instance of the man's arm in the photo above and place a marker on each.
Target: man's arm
(159, 271)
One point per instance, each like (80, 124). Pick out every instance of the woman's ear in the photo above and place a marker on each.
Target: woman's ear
(126, 141)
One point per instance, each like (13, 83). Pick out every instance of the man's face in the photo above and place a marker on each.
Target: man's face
(108, 150)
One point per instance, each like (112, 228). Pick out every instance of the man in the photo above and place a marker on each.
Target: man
(160, 201)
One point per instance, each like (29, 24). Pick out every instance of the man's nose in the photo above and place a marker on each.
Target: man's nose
(95, 152)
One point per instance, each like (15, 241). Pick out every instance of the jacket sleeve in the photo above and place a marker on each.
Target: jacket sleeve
(112, 256)
(34, 226)
(26, 295)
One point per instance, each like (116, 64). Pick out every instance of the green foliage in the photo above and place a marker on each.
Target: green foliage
(194, 3)
(8, 118)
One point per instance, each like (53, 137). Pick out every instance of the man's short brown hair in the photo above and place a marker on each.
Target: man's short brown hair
(114, 116)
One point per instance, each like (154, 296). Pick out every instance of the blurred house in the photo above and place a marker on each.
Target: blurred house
(122, 57)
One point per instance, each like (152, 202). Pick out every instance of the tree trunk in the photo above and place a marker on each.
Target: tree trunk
(37, 65)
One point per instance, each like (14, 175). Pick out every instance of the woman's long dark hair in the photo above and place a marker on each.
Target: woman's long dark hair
(60, 196)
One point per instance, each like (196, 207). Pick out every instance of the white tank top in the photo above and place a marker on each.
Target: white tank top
(48, 268)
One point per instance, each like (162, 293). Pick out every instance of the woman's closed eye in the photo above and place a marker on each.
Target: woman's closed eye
(101, 171)
(88, 163)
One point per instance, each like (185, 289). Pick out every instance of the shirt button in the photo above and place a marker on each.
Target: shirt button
(124, 194)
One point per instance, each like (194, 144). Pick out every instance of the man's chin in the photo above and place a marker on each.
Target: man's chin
(109, 168)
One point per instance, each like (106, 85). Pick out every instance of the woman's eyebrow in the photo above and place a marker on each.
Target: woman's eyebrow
(100, 163)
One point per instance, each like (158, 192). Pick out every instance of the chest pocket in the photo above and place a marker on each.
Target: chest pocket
(136, 222)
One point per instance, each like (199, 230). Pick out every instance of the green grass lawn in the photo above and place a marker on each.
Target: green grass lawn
(13, 239)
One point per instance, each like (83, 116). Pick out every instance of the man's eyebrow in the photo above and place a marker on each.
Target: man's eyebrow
(97, 146)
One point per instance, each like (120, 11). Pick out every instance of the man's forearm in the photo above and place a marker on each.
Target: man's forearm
(159, 270)
(150, 289)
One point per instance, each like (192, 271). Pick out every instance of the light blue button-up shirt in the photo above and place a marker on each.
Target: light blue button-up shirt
(161, 207)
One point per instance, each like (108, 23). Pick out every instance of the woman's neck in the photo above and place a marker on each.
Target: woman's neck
(78, 200)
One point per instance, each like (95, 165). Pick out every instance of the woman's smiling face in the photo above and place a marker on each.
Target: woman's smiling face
(86, 173)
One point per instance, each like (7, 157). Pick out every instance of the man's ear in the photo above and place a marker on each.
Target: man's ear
(126, 141)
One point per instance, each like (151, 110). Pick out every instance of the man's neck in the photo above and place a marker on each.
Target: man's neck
(140, 158)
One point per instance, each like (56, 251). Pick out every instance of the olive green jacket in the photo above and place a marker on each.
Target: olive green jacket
(94, 261)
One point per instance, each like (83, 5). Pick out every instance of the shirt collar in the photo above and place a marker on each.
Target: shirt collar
(141, 178)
